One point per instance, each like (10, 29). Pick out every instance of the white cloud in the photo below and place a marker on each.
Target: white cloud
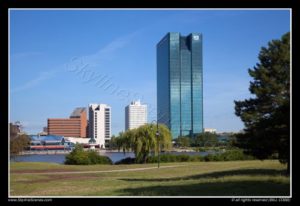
(90, 60)
(25, 54)
(107, 51)
(34, 82)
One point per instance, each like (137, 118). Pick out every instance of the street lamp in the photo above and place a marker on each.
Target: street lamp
(157, 136)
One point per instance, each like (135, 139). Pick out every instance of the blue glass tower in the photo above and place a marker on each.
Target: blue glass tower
(180, 83)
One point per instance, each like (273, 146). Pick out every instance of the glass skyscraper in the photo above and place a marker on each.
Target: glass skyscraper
(180, 83)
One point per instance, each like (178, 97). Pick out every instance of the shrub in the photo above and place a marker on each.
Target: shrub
(77, 158)
(152, 159)
(127, 160)
(235, 155)
(80, 157)
(226, 156)
(230, 155)
(183, 158)
(196, 158)
(211, 157)
(95, 158)
(165, 158)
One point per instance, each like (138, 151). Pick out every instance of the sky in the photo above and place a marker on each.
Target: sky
(63, 59)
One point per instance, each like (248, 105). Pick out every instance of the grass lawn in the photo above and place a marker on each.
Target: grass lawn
(234, 178)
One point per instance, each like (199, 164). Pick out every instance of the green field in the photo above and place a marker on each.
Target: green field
(235, 178)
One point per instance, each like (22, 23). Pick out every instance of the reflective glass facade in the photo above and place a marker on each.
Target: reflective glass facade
(179, 83)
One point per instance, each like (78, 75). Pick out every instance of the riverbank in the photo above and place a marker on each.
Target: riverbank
(44, 152)
(231, 178)
(172, 150)
(50, 152)
(59, 157)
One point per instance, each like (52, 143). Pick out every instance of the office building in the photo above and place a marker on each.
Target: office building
(100, 123)
(135, 115)
(75, 126)
(180, 83)
(210, 130)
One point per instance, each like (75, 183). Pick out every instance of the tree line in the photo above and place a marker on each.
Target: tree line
(18, 140)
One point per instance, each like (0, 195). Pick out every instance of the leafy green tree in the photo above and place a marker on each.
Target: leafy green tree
(267, 115)
(14, 130)
(143, 141)
(119, 141)
(206, 139)
(183, 141)
(19, 143)
(128, 140)
(113, 144)
(232, 141)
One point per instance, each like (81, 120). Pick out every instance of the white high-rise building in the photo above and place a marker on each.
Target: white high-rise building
(210, 130)
(135, 115)
(100, 123)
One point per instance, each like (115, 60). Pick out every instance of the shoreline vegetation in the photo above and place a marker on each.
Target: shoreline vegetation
(29, 152)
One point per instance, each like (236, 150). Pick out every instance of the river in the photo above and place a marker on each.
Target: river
(60, 158)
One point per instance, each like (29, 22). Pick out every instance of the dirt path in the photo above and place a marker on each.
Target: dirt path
(101, 171)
